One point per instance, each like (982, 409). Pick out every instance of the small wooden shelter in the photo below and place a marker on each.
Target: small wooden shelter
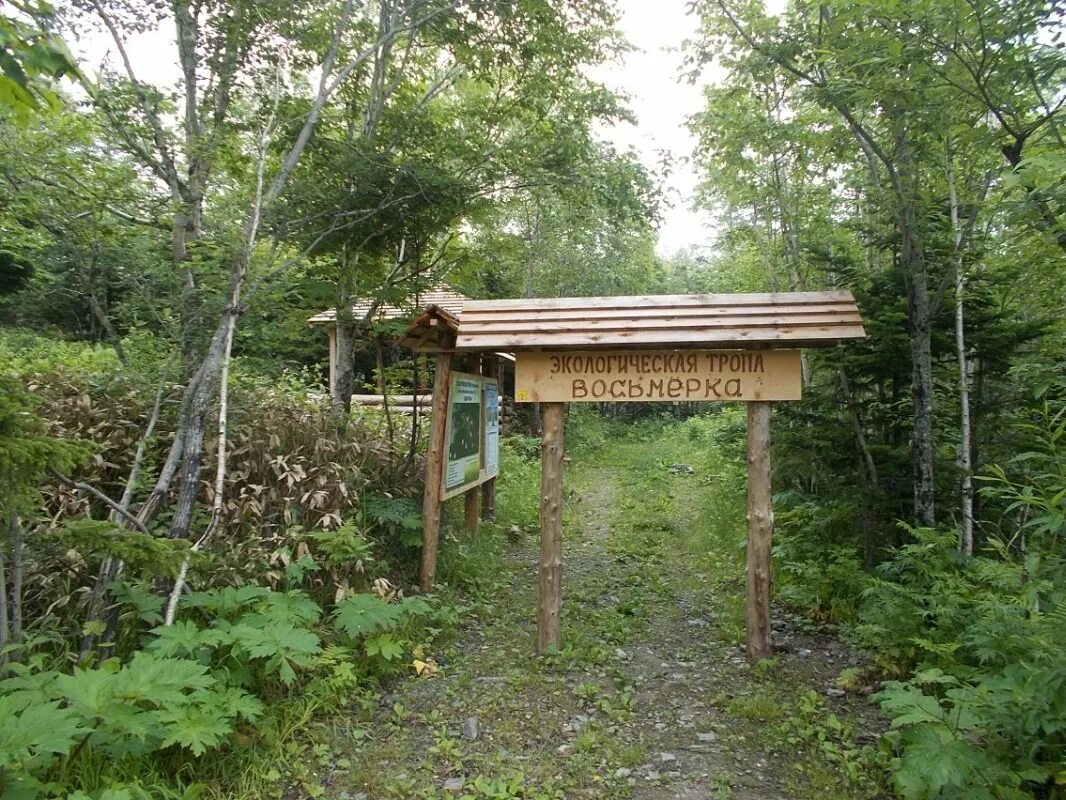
(642, 348)
(440, 296)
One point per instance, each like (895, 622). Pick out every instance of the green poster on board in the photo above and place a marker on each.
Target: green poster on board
(463, 454)
(472, 437)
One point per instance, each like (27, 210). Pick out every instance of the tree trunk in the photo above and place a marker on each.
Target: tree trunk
(383, 388)
(5, 624)
(431, 501)
(15, 601)
(220, 476)
(344, 376)
(346, 330)
(965, 436)
(867, 470)
(919, 319)
(201, 391)
(965, 456)
(904, 182)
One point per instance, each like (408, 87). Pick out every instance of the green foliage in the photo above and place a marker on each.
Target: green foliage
(260, 634)
(147, 555)
(399, 517)
(518, 492)
(1032, 486)
(814, 574)
(508, 787)
(31, 58)
(985, 715)
(379, 623)
(32, 737)
(1000, 736)
(148, 704)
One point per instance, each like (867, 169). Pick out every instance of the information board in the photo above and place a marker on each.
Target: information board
(491, 396)
(657, 375)
(472, 438)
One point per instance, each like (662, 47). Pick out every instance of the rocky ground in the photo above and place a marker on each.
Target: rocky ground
(650, 697)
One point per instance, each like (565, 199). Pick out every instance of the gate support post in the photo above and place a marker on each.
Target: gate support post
(760, 529)
(550, 587)
(431, 502)
(490, 367)
(472, 496)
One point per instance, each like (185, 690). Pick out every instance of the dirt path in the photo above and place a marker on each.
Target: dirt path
(650, 697)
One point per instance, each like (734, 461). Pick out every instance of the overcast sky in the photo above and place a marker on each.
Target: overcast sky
(649, 75)
(662, 100)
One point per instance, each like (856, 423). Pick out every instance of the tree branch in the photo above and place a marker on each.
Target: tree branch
(103, 498)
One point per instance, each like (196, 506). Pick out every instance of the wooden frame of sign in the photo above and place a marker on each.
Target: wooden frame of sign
(659, 348)
(456, 477)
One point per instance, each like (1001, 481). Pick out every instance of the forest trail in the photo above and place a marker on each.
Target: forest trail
(651, 696)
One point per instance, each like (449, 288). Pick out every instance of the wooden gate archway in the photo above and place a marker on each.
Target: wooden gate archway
(709, 347)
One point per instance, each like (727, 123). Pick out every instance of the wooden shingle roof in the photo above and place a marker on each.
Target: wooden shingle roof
(778, 319)
(431, 331)
(442, 296)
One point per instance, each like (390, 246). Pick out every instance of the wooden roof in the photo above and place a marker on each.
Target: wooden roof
(778, 319)
(441, 295)
(431, 331)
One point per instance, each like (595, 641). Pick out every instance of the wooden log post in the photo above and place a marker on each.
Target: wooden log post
(472, 509)
(472, 497)
(431, 502)
(549, 608)
(489, 364)
(332, 356)
(488, 500)
(760, 528)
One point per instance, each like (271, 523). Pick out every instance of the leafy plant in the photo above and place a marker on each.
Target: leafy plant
(375, 621)
(151, 703)
(1002, 736)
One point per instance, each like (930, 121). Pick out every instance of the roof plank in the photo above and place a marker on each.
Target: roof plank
(501, 316)
(471, 328)
(737, 321)
(727, 338)
(664, 300)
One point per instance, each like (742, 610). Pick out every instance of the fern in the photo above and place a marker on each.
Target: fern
(402, 513)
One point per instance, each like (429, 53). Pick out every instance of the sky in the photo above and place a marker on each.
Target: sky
(662, 101)
(649, 75)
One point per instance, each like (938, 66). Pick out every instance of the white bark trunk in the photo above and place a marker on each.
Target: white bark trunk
(965, 423)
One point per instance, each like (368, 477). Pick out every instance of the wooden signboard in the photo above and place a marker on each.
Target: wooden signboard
(471, 443)
(657, 375)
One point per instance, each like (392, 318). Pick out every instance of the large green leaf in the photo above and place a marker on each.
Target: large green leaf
(360, 614)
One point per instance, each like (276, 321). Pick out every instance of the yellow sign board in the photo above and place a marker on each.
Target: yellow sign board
(657, 375)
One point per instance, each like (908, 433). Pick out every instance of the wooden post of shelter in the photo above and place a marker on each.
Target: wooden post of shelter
(760, 529)
(550, 605)
(332, 332)
(431, 498)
